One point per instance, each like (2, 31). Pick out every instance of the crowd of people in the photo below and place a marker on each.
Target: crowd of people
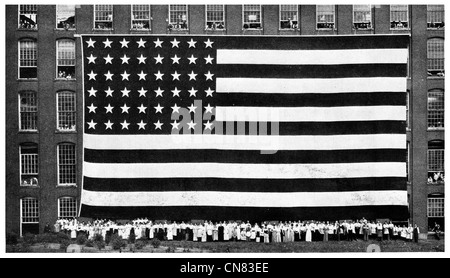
(265, 232)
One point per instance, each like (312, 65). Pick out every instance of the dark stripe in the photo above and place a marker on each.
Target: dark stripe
(181, 213)
(312, 71)
(310, 128)
(243, 156)
(244, 185)
(310, 100)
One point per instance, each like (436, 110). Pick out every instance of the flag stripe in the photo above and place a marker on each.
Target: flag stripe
(245, 199)
(242, 185)
(312, 57)
(310, 100)
(244, 171)
(242, 156)
(312, 71)
(244, 142)
(311, 114)
(317, 86)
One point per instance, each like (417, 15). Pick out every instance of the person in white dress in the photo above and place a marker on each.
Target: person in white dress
(308, 237)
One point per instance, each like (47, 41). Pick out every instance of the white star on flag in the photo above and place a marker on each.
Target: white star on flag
(92, 92)
(91, 59)
(125, 75)
(209, 92)
(175, 59)
(208, 43)
(125, 92)
(109, 92)
(125, 124)
(91, 124)
(142, 92)
(158, 125)
(108, 59)
(159, 92)
(124, 43)
(158, 59)
(142, 75)
(191, 43)
(192, 108)
(174, 43)
(159, 108)
(209, 108)
(109, 125)
(159, 75)
(192, 59)
(192, 76)
(92, 75)
(108, 75)
(142, 59)
(158, 43)
(124, 108)
(142, 108)
(92, 108)
(175, 124)
(91, 43)
(109, 108)
(141, 43)
(176, 92)
(175, 109)
(142, 124)
(125, 59)
(193, 92)
(208, 125)
(209, 59)
(191, 125)
(107, 43)
(209, 75)
(176, 76)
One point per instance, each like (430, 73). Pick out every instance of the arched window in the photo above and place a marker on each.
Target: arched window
(65, 58)
(435, 109)
(28, 111)
(29, 164)
(66, 164)
(436, 211)
(435, 54)
(27, 59)
(67, 207)
(436, 162)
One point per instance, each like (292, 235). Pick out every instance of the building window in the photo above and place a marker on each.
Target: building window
(66, 164)
(65, 17)
(67, 207)
(29, 164)
(29, 216)
(436, 161)
(27, 59)
(435, 207)
(435, 109)
(325, 16)
(399, 17)
(252, 17)
(288, 17)
(103, 17)
(407, 159)
(435, 16)
(28, 16)
(27, 111)
(65, 59)
(215, 17)
(408, 95)
(66, 111)
(140, 17)
(435, 55)
(362, 17)
(178, 17)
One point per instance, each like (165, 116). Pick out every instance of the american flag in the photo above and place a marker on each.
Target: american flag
(236, 127)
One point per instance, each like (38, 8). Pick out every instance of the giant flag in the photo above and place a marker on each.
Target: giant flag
(237, 127)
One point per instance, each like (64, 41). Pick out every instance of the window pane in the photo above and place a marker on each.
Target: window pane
(67, 207)
(436, 109)
(436, 207)
(27, 111)
(30, 210)
(435, 16)
(65, 16)
(28, 16)
(66, 58)
(325, 16)
(436, 162)
(27, 59)
(435, 54)
(66, 111)
(103, 16)
(66, 164)
(288, 16)
(399, 16)
(252, 16)
(29, 164)
(140, 17)
(215, 17)
(362, 16)
(178, 18)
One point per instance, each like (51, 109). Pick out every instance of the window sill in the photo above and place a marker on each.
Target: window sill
(61, 131)
(289, 29)
(400, 29)
(435, 77)
(65, 79)
(27, 79)
(140, 30)
(66, 186)
(27, 29)
(102, 30)
(435, 129)
(64, 29)
(215, 30)
(29, 186)
(435, 183)
(28, 131)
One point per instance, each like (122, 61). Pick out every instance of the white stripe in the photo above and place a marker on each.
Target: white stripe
(312, 57)
(315, 85)
(311, 114)
(244, 171)
(244, 142)
(245, 199)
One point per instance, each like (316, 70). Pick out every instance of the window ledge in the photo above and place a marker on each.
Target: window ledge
(27, 79)
(435, 183)
(140, 30)
(66, 186)
(289, 29)
(27, 29)
(28, 131)
(215, 30)
(65, 79)
(29, 186)
(436, 129)
(60, 131)
(435, 77)
(63, 29)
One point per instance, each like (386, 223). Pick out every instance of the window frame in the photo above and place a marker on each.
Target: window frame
(294, 26)
(248, 23)
(60, 207)
(334, 19)
(35, 99)
(436, 162)
(149, 18)
(430, 212)
(74, 165)
(105, 21)
(34, 159)
(206, 19)
(74, 112)
(58, 59)
(19, 26)
(370, 24)
(439, 72)
(436, 110)
(407, 18)
(74, 27)
(176, 25)
(33, 61)
(429, 23)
